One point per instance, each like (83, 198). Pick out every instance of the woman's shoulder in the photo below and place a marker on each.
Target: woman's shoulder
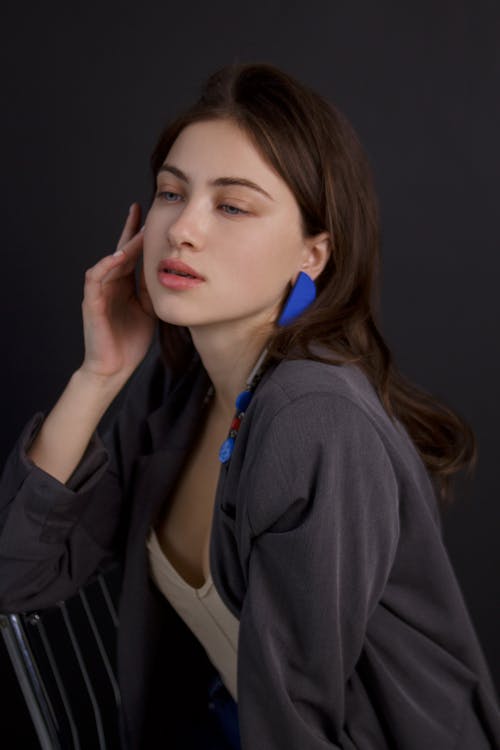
(335, 387)
(315, 431)
(337, 395)
(311, 413)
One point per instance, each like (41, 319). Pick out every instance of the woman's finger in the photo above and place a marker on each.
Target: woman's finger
(95, 276)
(121, 263)
(146, 302)
(131, 225)
(129, 254)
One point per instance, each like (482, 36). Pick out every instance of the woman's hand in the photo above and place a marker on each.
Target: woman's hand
(118, 320)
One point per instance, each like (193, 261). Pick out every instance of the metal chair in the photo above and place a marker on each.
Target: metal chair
(64, 660)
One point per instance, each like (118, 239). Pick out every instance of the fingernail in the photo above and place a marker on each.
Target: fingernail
(118, 252)
(142, 228)
(131, 207)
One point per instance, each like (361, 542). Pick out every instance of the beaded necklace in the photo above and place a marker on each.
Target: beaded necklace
(242, 401)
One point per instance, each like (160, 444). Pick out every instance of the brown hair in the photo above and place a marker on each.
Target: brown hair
(317, 153)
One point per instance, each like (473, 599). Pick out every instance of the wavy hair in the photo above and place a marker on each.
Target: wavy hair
(315, 150)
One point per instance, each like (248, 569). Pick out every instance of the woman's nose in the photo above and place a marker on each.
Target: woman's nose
(189, 226)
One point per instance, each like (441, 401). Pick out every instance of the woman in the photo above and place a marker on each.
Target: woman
(271, 481)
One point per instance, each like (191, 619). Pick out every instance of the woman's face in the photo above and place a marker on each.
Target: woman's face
(245, 244)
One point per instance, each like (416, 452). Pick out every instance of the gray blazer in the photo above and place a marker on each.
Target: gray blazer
(326, 544)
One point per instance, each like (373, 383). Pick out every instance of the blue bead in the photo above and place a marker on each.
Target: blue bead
(226, 450)
(243, 399)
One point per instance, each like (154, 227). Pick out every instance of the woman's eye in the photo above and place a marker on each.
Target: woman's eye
(162, 193)
(239, 210)
(165, 193)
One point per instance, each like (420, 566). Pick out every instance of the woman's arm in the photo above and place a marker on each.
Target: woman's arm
(53, 536)
(65, 433)
(62, 493)
(323, 506)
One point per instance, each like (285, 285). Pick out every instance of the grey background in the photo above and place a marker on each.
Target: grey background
(86, 90)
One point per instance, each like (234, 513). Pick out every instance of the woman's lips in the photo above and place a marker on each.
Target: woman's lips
(177, 265)
(173, 281)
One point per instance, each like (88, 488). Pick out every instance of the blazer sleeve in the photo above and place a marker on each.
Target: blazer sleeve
(54, 536)
(323, 509)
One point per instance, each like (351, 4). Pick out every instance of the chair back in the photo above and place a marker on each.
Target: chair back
(64, 658)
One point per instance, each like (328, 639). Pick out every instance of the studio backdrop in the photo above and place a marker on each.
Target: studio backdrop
(86, 92)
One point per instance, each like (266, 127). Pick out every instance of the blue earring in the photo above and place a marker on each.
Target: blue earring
(301, 295)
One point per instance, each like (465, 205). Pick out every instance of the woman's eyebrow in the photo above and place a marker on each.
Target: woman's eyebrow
(219, 181)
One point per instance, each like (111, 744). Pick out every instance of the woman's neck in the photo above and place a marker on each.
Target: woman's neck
(229, 361)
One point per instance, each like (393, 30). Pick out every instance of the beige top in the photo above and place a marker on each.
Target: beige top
(202, 610)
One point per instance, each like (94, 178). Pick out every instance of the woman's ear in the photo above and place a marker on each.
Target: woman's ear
(316, 254)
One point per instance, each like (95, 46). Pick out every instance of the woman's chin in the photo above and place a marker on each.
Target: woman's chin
(179, 320)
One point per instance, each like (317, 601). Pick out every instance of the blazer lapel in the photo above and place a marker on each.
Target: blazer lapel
(144, 614)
